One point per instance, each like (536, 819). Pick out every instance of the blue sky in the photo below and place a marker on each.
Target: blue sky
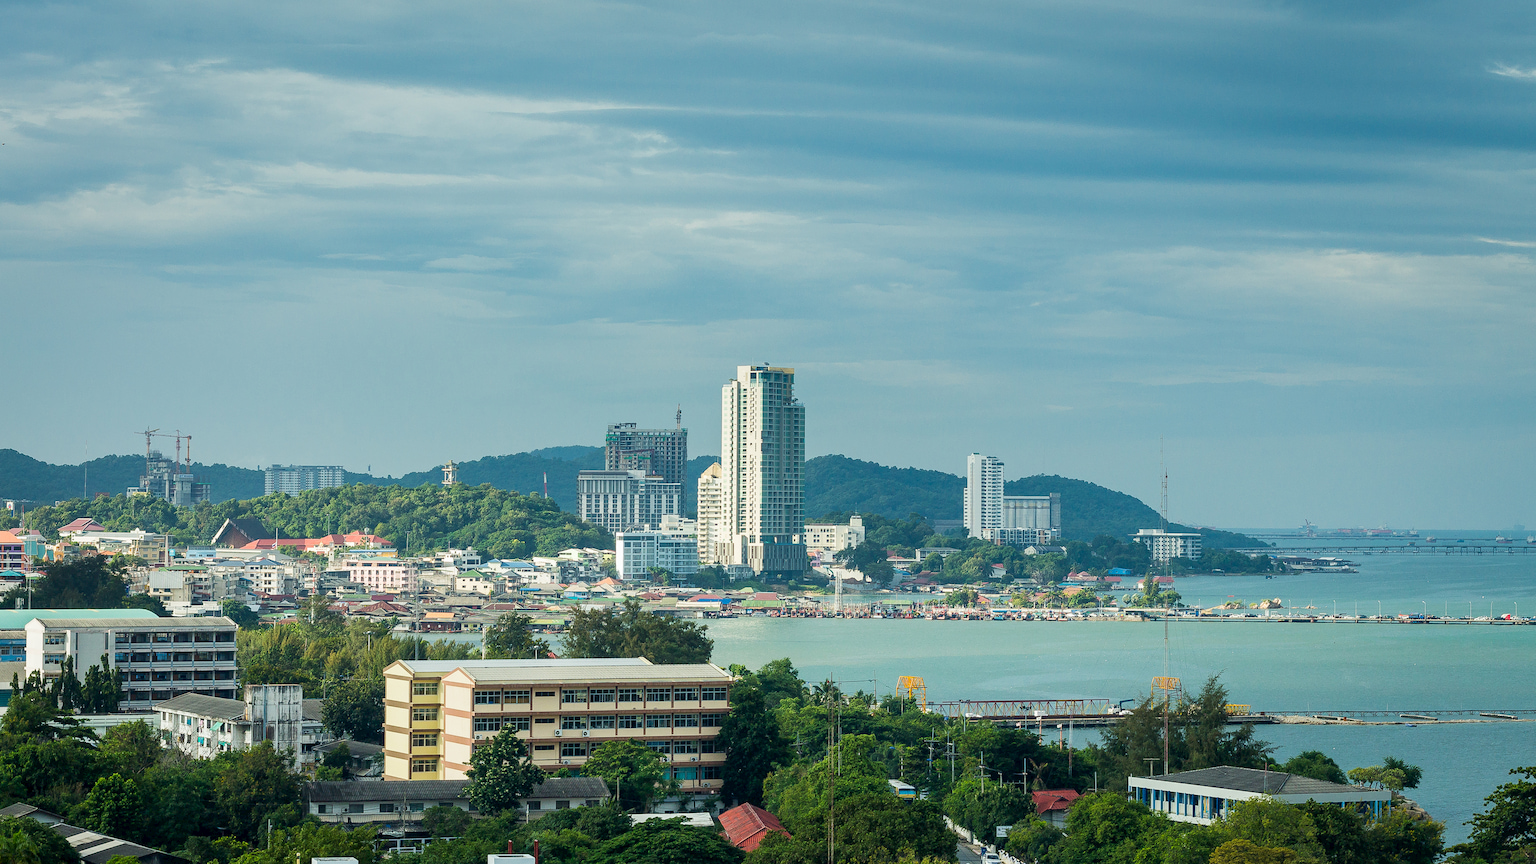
(1293, 240)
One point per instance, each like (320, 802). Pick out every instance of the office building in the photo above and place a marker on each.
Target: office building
(293, 479)
(626, 500)
(832, 539)
(171, 480)
(656, 452)
(983, 494)
(674, 548)
(436, 711)
(157, 658)
(762, 460)
(1207, 794)
(1028, 520)
(1166, 546)
(205, 726)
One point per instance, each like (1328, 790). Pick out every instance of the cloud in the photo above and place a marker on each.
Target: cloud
(1507, 71)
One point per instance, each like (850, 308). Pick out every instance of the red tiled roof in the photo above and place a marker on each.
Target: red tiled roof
(746, 825)
(82, 524)
(1047, 800)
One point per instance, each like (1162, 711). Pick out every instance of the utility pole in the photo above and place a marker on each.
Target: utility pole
(831, 780)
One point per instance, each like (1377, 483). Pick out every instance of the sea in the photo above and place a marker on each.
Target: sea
(1286, 668)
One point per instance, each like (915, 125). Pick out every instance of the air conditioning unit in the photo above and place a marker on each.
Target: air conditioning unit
(557, 733)
(585, 733)
(693, 758)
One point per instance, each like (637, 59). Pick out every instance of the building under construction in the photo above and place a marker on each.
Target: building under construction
(170, 479)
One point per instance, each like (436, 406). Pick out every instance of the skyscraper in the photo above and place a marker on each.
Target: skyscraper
(293, 479)
(762, 461)
(711, 521)
(658, 452)
(983, 494)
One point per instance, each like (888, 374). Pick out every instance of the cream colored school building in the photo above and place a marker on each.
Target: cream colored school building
(437, 711)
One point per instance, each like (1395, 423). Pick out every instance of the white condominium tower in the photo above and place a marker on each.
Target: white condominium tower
(762, 460)
(714, 540)
(983, 494)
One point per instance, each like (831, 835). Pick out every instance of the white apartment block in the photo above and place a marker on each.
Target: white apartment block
(762, 461)
(983, 494)
(293, 479)
(478, 583)
(157, 658)
(1166, 546)
(380, 575)
(620, 500)
(714, 538)
(205, 726)
(637, 551)
(832, 539)
(1028, 520)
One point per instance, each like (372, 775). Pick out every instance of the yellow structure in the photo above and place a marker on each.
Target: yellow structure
(913, 687)
(436, 712)
(1167, 685)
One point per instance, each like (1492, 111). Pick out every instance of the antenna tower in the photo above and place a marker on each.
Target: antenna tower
(1162, 468)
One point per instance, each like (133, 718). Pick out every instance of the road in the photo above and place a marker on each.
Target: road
(968, 854)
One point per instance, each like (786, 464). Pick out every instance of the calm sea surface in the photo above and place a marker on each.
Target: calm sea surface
(1274, 667)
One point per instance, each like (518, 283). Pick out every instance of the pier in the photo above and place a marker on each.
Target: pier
(1415, 547)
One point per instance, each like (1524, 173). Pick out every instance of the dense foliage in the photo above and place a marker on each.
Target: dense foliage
(1505, 833)
(632, 631)
(501, 772)
(1198, 737)
(90, 582)
(498, 523)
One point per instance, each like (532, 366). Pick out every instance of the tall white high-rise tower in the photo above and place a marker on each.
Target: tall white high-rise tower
(983, 494)
(762, 460)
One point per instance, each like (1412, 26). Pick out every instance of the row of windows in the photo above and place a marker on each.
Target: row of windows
(145, 638)
(635, 721)
(496, 724)
(173, 657)
(587, 695)
(188, 675)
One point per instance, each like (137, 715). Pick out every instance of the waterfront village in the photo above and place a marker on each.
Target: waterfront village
(257, 698)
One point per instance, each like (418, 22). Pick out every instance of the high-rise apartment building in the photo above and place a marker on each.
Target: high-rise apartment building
(656, 452)
(762, 460)
(1166, 545)
(983, 494)
(711, 521)
(293, 479)
(626, 500)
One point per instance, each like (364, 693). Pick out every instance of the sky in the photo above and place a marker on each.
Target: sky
(1286, 245)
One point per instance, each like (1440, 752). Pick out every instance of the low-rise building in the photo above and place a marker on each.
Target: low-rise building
(156, 658)
(1166, 545)
(205, 726)
(437, 711)
(13, 553)
(379, 574)
(403, 801)
(832, 539)
(1205, 795)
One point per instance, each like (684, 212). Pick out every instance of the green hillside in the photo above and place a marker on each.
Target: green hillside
(839, 484)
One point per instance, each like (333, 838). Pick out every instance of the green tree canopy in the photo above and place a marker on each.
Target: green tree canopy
(511, 637)
(1315, 764)
(753, 744)
(501, 772)
(636, 770)
(632, 631)
(667, 841)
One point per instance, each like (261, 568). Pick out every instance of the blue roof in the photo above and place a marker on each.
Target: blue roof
(1119, 571)
(16, 619)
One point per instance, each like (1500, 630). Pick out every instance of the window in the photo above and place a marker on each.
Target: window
(686, 746)
(420, 715)
(573, 722)
(53, 639)
(711, 721)
(544, 720)
(487, 697)
(630, 694)
(517, 724)
(710, 772)
(601, 722)
(569, 697)
(424, 688)
(387, 807)
(573, 748)
(602, 695)
(629, 721)
(660, 746)
(543, 747)
(224, 637)
(658, 721)
(423, 766)
(354, 808)
(684, 694)
(686, 773)
(424, 739)
(487, 724)
(562, 805)
(658, 694)
(535, 805)
(417, 807)
(544, 694)
(710, 745)
(514, 697)
(685, 720)
(320, 808)
(714, 694)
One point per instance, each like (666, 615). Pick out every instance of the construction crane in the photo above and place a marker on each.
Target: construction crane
(149, 446)
(914, 688)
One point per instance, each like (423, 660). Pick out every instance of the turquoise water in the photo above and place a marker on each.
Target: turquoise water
(1274, 667)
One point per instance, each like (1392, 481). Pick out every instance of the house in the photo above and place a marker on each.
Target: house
(237, 533)
(13, 552)
(364, 760)
(81, 526)
(1203, 796)
(93, 848)
(1052, 804)
(746, 825)
(346, 801)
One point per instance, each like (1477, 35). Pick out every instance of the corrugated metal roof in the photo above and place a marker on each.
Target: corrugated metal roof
(153, 621)
(443, 667)
(1256, 780)
(16, 619)
(600, 673)
(204, 706)
(353, 791)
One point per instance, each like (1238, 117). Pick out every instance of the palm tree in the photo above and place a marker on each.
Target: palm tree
(18, 848)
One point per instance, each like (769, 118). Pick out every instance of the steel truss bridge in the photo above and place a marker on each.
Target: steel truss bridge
(1487, 547)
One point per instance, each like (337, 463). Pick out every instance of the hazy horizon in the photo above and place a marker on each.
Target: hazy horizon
(1290, 240)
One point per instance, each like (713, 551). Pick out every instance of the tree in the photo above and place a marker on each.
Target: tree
(1242, 851)
(255, 785)
(1403, 839)
(501, 772)
(1107, 827)
(355, 709)
(511, 637)
(636, 771)
(314, 840)
(1315, 764)
(240, 613)
(753, 744)
(1269, 823)
(980, 807)
(1033, 840)
(132, 747)
(1508, 824)
(1411, 774)
(88, 582)
(113, 807)
(144, 601)
(28, 841)
(632, 631)
(445, 820)
(667, 841)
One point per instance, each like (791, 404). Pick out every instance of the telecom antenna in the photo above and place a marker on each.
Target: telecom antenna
(1163, 469)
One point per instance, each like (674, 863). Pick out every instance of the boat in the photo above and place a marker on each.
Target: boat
(1502, 539)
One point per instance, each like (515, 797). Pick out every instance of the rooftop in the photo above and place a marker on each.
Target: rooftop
(204, 706)
(124, 620)
(16, 619)
(598, 673)
(1258, 781)
(746, 825)
(443, 667)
